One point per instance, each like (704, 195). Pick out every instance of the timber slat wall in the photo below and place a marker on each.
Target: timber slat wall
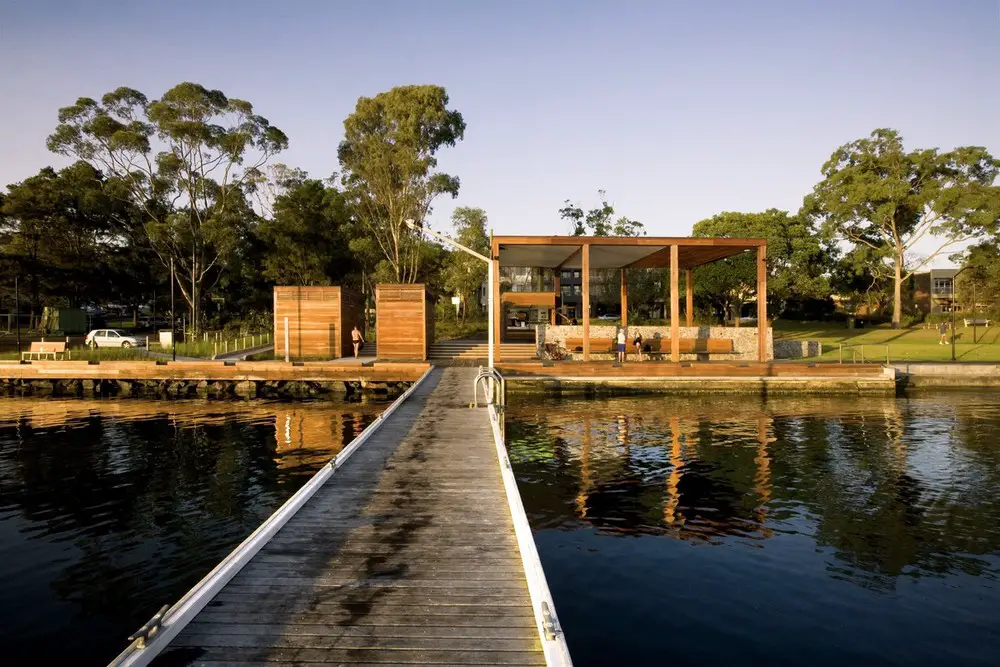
(404, 321)
(320, 320)
(213, 370)
(407, 555)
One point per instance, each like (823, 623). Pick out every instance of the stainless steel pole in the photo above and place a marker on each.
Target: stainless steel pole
(17, 315)
(173, 320)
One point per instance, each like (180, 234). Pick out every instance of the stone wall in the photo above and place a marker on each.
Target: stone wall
(796, 349)
(744, 339)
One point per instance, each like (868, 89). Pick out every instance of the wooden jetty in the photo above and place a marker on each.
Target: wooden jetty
(415, 551)
(213, 378)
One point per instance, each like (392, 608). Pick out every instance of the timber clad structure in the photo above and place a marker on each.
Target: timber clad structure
(320, 320)
(585, 253)
(404, 322)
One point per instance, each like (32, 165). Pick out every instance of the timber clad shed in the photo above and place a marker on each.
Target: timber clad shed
(320, 320)
(404, 321)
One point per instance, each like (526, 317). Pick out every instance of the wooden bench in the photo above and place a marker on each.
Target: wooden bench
(41, 350)
(657, 346)
(600, 345)
(976, 322)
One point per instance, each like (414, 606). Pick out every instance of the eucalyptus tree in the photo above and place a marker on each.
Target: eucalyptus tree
(186, 161)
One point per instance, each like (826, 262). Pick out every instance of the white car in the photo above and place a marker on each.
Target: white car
(111, 338)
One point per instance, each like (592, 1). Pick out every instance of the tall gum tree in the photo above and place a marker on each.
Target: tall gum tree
(388, 159)
(876, 195)
(186, 161)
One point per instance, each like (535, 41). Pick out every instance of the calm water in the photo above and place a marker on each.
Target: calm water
(727, 531)
(110, 509)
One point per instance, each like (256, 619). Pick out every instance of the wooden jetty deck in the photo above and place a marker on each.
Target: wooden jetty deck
(407, 554)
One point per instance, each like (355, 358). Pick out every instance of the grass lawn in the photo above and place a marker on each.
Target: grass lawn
(84, 354)
(914, 344)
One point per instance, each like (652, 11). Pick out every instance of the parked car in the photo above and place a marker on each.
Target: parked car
(112, 338)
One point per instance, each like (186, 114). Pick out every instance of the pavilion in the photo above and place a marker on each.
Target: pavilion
(592, 252)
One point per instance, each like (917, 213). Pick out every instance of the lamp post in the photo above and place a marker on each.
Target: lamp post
(17, 315)
(489, 274)
(954, 284)
(173, 327)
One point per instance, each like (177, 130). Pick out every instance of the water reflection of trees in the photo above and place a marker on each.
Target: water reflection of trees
(889, 486)
(151, 495)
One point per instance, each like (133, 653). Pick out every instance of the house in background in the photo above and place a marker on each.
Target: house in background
(934, 291)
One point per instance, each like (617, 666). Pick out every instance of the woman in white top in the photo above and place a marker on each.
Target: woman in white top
(621, 344)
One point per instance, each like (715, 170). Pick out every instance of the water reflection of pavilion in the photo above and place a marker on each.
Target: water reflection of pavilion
(665, 488)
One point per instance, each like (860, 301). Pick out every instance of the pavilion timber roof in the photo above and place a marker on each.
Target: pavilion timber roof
(616, 252)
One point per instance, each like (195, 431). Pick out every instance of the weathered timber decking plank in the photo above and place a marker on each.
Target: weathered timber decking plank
(407, 555)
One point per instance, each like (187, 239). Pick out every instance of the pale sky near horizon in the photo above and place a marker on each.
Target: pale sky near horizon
(679, 110)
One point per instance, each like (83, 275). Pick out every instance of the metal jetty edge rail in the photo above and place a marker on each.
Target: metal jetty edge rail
(195, 618)
(549, 630)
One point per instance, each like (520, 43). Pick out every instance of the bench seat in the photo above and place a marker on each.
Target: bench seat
(45, 350)
(657, 346)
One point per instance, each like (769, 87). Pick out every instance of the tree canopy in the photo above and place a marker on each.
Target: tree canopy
(876, 195)
(186, 161)
(797, 262)
(389, 162)
(600, 220)
(463, 273)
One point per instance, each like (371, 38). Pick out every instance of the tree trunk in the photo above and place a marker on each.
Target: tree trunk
(897, 300)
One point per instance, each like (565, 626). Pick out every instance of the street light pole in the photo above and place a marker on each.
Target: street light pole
(489, 275)
(953, 321)
(954, 288)
(173, 326)
(17, 316)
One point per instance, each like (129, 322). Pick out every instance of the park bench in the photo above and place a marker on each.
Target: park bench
(45, 350)
(980, 322)
(600, 345)
(660, 347)
(657, 347)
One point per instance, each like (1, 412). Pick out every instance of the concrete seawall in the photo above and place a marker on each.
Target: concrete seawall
(920, 375)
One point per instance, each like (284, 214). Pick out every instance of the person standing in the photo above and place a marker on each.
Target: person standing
(943, 330)
(358, 340)
(637, 344)
(621, 344)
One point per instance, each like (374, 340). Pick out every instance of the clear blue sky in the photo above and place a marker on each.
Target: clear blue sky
(679, 110)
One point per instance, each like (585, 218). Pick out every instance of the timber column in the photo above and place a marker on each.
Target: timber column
(689, 297)
(585, 274)
(762, 303)
(675, 306)
(497, 305)
(624, 300)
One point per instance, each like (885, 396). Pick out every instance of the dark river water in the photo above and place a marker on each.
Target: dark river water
(731, 531)
(110, 509)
